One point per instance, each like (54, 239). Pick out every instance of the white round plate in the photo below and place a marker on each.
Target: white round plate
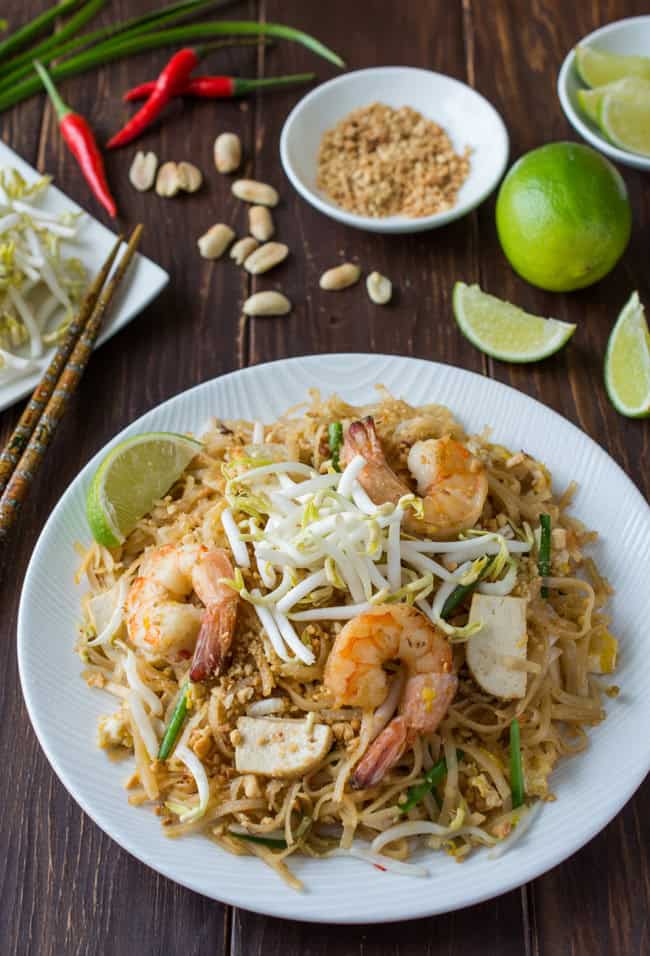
(464, 114)
(629, 37)
(590, 788)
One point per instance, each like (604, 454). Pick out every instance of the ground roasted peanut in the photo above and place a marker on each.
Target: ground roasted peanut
(380, 161)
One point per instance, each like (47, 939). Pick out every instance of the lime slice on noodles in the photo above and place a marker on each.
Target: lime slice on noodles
(504, 331)
(624, 116)
(595, 67)
(627, 362)
(131, 478)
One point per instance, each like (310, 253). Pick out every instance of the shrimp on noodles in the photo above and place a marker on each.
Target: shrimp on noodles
(451, 481)
(160, 620)
(355, 676)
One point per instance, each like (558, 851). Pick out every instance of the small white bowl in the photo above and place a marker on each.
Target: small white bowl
(629, 37)
(464, 114)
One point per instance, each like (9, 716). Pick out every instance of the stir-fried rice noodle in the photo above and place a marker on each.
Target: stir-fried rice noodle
(239, 494)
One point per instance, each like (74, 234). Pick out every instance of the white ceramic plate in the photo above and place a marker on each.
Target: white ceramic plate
(92, 245)
(590, 788)
(629, 37)
(466, 116)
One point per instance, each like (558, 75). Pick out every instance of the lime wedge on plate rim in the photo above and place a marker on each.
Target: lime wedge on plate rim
(627, 361)
(132, 476)
(504, 331)
(597, 67)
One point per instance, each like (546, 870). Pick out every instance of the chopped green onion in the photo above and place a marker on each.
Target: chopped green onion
(544, 561)
(432, 779)
(516, 768)
(274, 844)
(174, 726)
(460, 593)
(335, 439)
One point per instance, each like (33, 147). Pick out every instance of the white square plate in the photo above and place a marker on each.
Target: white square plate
(143, 283)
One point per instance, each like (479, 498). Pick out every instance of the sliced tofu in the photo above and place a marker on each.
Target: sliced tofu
(280, 748)
(503, 636)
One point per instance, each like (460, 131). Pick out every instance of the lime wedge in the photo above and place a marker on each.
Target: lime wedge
(590, 100)
(131, 478)
(627, 361)
(624, 116)
(595, 67)
(502, 330)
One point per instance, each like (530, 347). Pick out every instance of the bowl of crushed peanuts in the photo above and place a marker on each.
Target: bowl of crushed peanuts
(394, 149)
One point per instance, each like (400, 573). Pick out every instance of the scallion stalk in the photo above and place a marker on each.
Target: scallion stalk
(516, 768)
(432, 779)
(544, 561)
(86, 13)
(335, 441)
(174, 726)
(20, 66)
(271, 842)
(25, 34)
(119, 48)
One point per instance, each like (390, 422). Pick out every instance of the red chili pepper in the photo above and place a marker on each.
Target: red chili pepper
(203, 86)
(81, 141)
(173, 78)
(220, 87)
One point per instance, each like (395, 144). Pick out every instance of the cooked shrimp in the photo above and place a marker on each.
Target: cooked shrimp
(451, 481)
(160, 620)
(354, 674)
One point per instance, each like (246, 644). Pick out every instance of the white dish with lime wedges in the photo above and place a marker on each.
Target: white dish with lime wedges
(64, 711)
(604, 89)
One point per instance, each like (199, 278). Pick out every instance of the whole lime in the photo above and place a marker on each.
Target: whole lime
(563, 216)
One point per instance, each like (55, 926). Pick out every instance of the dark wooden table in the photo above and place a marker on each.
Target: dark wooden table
(65, 887)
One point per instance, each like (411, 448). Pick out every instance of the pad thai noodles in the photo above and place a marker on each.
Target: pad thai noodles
(354, 631)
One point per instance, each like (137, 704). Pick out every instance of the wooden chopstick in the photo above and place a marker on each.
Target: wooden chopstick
(24, 472)
(41, 394)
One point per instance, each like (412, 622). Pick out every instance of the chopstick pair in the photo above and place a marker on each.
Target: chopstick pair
(25, 450)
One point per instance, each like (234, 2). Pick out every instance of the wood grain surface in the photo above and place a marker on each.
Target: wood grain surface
(66, 888)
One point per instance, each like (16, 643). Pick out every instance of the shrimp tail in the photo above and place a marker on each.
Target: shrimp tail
(361, 439)
(214, 640)
(382, 754)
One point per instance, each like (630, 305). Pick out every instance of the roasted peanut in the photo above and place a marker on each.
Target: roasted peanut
(266, 257)
(227, 152)
(380, 289)
(215, 241)
(340, 277)
(142, 173)
(259, 193)
(167, 180)
(190, 177)
(260, 223)
(267, 303)
(242, 249)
